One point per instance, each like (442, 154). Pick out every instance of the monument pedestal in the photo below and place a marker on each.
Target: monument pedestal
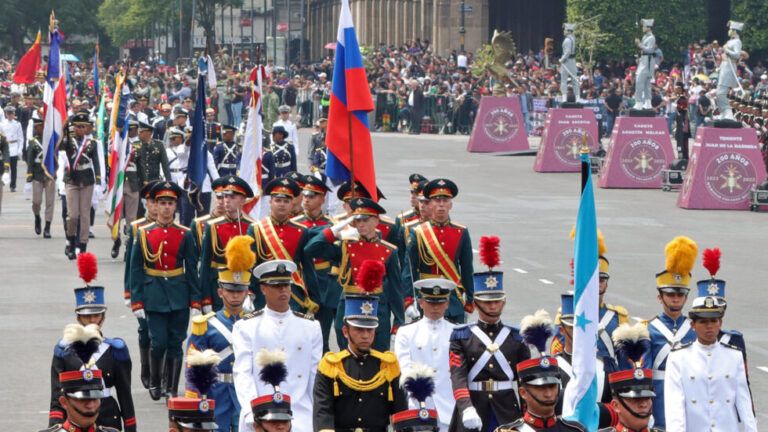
(499, 127)
(640, 149)
(725, 165)
(564, 131)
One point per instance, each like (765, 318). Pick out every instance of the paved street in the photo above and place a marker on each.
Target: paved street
(532, 213)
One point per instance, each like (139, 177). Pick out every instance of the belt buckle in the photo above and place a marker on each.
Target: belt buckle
(488, 385)
(359, 430)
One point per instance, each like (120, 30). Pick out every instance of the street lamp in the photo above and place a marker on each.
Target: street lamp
(462, 30)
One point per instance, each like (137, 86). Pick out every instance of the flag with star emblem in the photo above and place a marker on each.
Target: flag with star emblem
(581, 391)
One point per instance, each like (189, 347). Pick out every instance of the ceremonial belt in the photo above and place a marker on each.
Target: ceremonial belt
(80, 150)
(487, 354)
(490, 385)
(103, 347)
(215, 265)
(227, 334)
(443, 261)
(322, 265)
(278, 250)
(227, 165)
(164, 273)
(226, 378)
(603, 333)
(672, 339)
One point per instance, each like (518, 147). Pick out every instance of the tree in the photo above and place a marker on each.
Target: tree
(205, 15)
(677, 23)
(754, 14)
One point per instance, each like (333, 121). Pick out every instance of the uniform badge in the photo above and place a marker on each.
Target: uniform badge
(87, 374)
(544, 363)
(231, 179)
(204, 406)
(441, 182)
(277, 397)
(436, 290)
(713, 289)
(89, 296)
(359, 202)
(366, 308)
(709, 302)
(639, 375)
(285, 181)
(424, 414)
(167, 185)
(491, 282)
(237, 276)
(677, 277)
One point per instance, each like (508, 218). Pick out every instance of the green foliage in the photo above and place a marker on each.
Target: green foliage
(754, 15)
(126, 19)
(678, 23)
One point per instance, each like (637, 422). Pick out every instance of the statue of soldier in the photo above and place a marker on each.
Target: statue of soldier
(726, 77)
(645, 65)
(567, 61)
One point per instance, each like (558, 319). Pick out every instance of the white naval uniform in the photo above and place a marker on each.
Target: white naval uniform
(705, 390)
(427, 342)
(300, 339)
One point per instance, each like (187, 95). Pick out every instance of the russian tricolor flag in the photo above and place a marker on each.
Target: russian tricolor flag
(55, 103)
(350, 151)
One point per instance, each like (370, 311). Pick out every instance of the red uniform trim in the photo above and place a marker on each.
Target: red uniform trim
(461, 393)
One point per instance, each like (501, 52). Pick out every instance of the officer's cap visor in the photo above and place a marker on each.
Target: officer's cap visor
(435, 299)
(91, 310)
(636, 393)
(712, 313)
(674, 290)
(87, 394)
(367, 323)
(490, 296)
(199, 425)
(275, 416)
(229, 286)
(543, 380)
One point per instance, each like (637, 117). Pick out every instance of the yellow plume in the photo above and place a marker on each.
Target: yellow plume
(601, 248)
(681, 255)
(572, 234)
(240, 257)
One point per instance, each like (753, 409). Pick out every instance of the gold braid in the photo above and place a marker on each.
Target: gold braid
(424, 255)
(148, 255)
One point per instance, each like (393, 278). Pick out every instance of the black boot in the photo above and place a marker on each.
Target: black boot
(69, 251)
(155, 374)
(174, 375)
(38, 222)
(144, 357)
(83, 247)
(47, 230)
(116, 247)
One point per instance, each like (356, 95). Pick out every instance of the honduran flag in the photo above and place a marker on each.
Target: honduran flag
(55, 105)
(581, 391)
(250, 164)
(350, 151)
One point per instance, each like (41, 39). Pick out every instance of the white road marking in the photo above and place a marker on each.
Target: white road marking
(475, 251)
(763, 368)
(519, 270)
(546, 282)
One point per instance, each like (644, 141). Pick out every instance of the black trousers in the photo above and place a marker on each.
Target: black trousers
(14, 171)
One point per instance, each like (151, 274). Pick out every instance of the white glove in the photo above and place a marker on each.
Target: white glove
(350, 234)
(127, 302)
(470, 419)
(193, 312)
(139, 313)
(6, 178)
(412, 312)
(339, 226)
(248, 304)
(207, 309)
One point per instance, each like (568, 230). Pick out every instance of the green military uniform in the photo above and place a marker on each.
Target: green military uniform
(151, 158)
(270, 104)
(164, 283)
(83, 171)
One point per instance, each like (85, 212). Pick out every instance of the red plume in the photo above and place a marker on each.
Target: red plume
(370, 276)
(489, 251)
(86, 265)
(711, 260)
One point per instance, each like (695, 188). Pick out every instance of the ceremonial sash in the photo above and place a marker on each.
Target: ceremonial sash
(278, 251)
(603, 333)
(492, 349)
(443, 261)
(218, 325)
(672, 340)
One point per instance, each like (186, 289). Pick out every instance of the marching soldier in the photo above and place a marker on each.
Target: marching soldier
(111, 357)
(213, 129)
(346, 193)
(314, 192)
(317, 141)
(217, 209)
(149, 217)
(413, 213)
(214, 330)
(670, 327)
(705, 387)
(42, 183)
(409, 218)
(227, 153)
(276, 327)
(349, 249)
(178, 160)
(131, 185)
(425, 342)
(82, 391)
(218, 232)
(358, 388)
(151, 157)
(277, 237)
(283, 152)
(272, 411)
(568, 70)
(442, 248)
(81, 173)
(161, 122)
(540, 387)
(5, 166)
(164, 287)
(610, 316)
(299, 198)
(631, 389)
(483, 358)
(645, 66)
(196, 411)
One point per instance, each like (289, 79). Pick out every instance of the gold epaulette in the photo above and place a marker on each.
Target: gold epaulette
(621, 311)
(200, 323)
(331, 366)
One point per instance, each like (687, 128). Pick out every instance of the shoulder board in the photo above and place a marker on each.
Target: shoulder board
(200, 323)
(405, 213)
(572, 424)
(178, 225)
(386, 219)
(680, 346)
(296, 224)
(385, 356)
(201, 218)
(731, 346)
(119, 349)
(733, 333)
(461, 332)
(53, 428)
(389, 245)
(458, 225)
(216, 220)
(298, 218)
(60, 349)
(305, 316)
(412, 223)
(253, 314)
(148, 226)
(139, 222)
(248, 218)
(621, 310)
(511, 427)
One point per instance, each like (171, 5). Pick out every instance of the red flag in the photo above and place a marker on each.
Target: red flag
(29, 64)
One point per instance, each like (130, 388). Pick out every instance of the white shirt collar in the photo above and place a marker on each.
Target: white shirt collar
(274, 314)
